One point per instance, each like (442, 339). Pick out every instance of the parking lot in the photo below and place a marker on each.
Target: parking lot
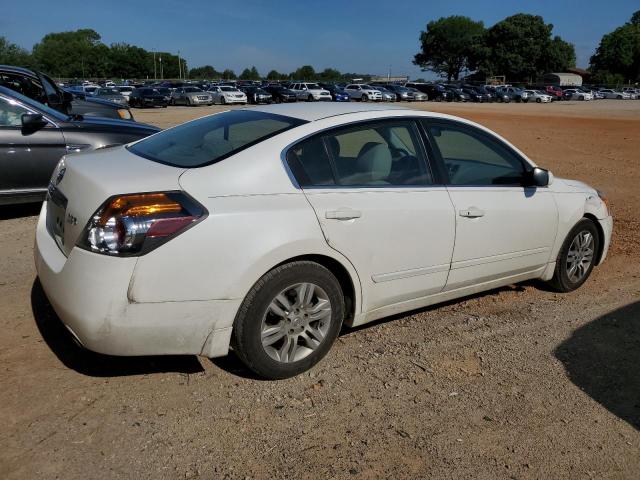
(515, 383)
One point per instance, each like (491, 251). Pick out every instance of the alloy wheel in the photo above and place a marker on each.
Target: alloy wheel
(580, 256)
(296, 322)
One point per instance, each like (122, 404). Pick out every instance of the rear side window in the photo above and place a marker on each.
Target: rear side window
(379, 154)
(213, 138)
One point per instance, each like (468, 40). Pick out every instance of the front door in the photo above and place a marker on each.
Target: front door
(502, 227)
(374, 195)
(27, 159)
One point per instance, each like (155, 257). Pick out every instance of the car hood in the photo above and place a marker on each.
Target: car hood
(567, 184)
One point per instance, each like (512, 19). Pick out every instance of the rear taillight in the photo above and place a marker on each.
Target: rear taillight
(130, 225)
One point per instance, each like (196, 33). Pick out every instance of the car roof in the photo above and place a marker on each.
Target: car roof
(317, 111)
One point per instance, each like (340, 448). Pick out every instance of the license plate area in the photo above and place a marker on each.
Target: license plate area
(56, 211)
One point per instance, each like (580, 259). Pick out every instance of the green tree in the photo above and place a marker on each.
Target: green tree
(450, 45)
(12, 54)
(250, 74)
(618, 54)
(128, 61)
(305, 72)
(229, 74)
(521, 47)
(330, 74)
(274, 75)
(205, 72)
(72, 54)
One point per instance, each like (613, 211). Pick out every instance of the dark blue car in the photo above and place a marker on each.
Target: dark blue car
(337, 93)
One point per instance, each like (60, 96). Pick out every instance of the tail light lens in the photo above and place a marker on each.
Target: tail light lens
(130, 225)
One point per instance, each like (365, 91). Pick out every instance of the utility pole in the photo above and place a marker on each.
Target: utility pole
(161, 71)
(155, 75)
(389, 75)
(179, 66)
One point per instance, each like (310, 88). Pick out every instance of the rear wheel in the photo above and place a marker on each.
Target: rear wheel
(538, 100)
(310, 98)
(289, 320)
(364, 98)
(577, 257)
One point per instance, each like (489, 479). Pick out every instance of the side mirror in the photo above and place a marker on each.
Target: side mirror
(32, 122)
(538, 177)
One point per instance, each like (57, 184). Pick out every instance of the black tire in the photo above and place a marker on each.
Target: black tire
(222, 100)
(538, 100)
(172, 102)
(561, 281)
(310, 98)
(247, 342)
(364, 98)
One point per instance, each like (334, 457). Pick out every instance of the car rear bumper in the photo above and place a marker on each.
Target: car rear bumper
(89, 292)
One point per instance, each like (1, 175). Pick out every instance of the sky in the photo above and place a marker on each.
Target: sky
(353, 36)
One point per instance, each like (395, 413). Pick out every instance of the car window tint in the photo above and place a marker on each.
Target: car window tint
(10, 113)
(210, 139)
(473, 158)
(310, 163)
(380, 154)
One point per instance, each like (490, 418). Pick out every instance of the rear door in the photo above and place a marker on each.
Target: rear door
(502, 227)
(27, 159)
(378, 204)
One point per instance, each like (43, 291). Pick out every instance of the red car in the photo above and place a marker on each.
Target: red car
(555, 92)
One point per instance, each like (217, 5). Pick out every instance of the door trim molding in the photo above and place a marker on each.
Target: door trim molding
(497, 258)
(414, 272)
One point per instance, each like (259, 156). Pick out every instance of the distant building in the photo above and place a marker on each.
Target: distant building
(388, 79)
(563, 79)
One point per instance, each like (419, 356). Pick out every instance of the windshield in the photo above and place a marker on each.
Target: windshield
(191, 89)
(228, 89)
(313, 86)
(34, 104)
(213, 138)
(163, 91)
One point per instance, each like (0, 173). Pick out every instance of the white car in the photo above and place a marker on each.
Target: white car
(575, 94)
(269, 228)
(310, 92)
(617, 94)
(125, 90)
(538, 96)
(634, 93)
(225, 94)
(363, 93)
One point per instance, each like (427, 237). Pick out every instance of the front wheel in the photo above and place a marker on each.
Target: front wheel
(577, 257)
(364, 98)
(223, 100)
(538, 100)
(289, 320)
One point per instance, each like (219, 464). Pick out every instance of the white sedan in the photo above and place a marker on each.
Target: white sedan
(538, 96)
(224, 94)
(267, 229)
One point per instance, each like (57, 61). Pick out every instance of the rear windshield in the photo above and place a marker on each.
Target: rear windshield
(211, 139)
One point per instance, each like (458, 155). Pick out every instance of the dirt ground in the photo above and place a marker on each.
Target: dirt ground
(517, 383)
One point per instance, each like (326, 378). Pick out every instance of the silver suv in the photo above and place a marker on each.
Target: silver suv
(363, 92)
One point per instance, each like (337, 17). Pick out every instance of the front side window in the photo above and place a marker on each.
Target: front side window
(11, 113)
(473, 158)
(380, 154)
(213, 138)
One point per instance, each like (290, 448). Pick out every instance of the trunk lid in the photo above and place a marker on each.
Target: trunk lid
(85, 181)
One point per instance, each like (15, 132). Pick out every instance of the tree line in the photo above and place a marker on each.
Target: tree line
(82, 54)
(522, 47)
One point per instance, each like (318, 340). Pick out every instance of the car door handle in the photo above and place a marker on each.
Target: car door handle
(346, 214)
(471, 212)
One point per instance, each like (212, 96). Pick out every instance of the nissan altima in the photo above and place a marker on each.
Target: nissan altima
(267, 229)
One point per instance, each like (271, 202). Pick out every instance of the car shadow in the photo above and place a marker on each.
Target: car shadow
(92, 364)
(9, 212)
(602, 358)
(233, 365)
